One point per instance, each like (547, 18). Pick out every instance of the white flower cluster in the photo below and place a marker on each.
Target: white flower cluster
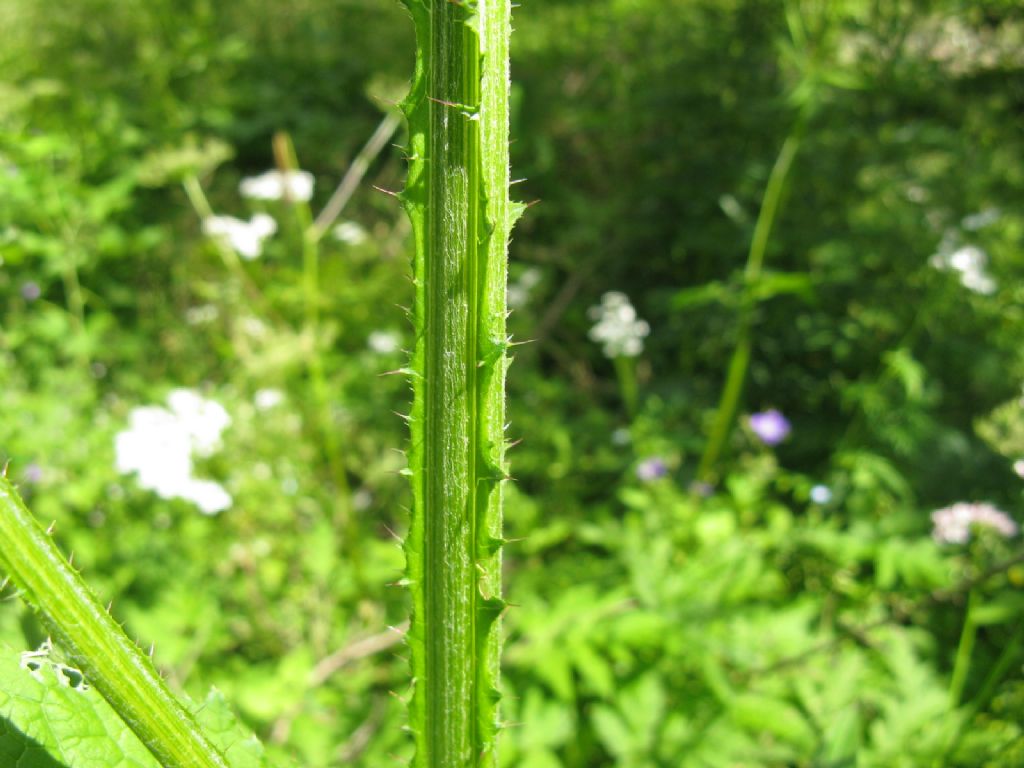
(969, 260)
(350, 233)
(519, 291)
(952, 525)
(617, 327)
(295, 186)
(384, 342)
(245, 237)
(160, 443)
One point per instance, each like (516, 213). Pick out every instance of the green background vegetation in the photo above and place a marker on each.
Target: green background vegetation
(651, 625)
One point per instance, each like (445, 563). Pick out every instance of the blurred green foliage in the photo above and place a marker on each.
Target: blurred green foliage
(654, 624)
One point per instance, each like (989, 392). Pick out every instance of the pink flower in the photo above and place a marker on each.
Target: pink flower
(952, 525)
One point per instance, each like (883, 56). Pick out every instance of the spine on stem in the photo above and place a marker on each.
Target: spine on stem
(95, 643)
(457, 199)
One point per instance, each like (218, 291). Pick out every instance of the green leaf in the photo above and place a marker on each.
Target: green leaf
(767, 715)
(999, 610)
(53, 718)
(235, 741)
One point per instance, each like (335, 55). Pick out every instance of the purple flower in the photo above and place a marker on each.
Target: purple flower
(770, 426)
(32, 473)
(651, 469)
(31, 291)
(701, 488)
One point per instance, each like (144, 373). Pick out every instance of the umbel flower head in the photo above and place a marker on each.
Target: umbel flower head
(952, 525)
(616, 327)
(245, 237)
(160, 442)
(295, 186)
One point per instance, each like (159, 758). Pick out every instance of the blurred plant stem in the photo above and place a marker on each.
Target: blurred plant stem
(201, 205)
(736, 377)
(625, 372)
(964, 651)
(355, 173)
(75, 300)
(988, 688)
(343, 519)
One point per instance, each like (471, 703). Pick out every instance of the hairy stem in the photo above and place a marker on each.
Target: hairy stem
(96, 644)
(457, 199)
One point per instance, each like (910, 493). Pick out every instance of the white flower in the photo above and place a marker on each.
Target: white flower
(969, 260)
(159, 445)
(621, 436)
(520, 290)
(204, 313)
(362, 499)
(617, 327)
(209, 496)
(157, 448)
(952, 525)
(383, 342)
(981, 219)
(978, 282)
(1018, 468)
(203, 420)
(821, 494)
(265, 399)
(296, 186)
(350, 233)
(245, 237)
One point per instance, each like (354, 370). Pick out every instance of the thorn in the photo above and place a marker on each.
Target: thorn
(532, 203)
(3, 473)
(51, 528)
(387, 192)
(71, 559)
(394, 535)
(152, 649)
(516, 181)
(514, 443)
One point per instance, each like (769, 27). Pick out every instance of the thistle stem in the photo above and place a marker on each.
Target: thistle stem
(457, 199)
(96, 644)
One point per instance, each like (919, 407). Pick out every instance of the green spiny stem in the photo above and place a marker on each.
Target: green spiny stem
(96, 644)
(457, 200)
